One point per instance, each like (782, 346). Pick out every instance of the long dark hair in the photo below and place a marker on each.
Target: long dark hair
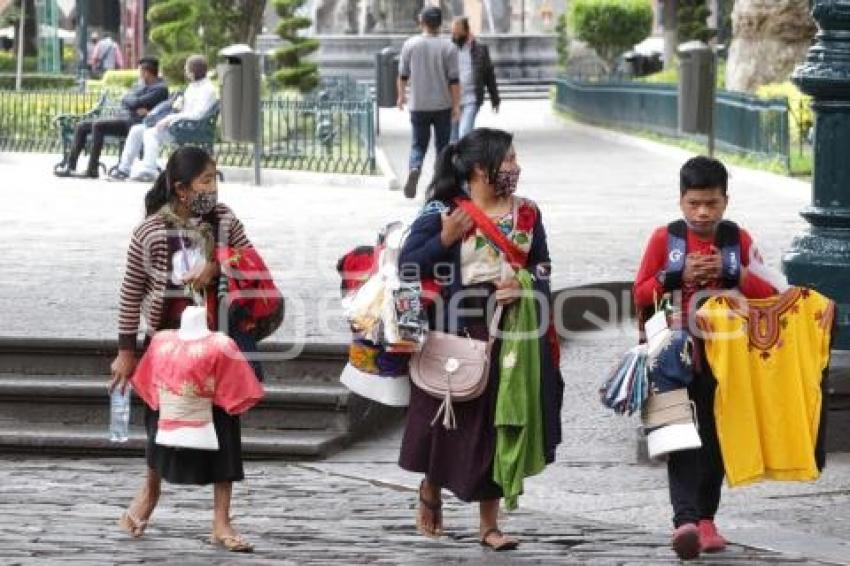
(185, 165)
(484, 147)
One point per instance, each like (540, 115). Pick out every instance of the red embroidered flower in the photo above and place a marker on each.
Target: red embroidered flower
(526, 216)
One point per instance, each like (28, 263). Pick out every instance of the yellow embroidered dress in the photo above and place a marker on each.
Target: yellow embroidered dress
(768, 356)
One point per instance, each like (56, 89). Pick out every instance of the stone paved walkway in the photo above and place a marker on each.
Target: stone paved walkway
(65, 512)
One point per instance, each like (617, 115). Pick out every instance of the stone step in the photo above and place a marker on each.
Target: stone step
(53, 400)
(91, 440)
(82, 400)
(281, 361)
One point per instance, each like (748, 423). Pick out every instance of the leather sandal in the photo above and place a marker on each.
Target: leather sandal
(132, 524)
(436, 510)
(232, 543)
(506, 544)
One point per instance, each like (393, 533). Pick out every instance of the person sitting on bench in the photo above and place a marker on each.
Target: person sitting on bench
(197, 100)
(150, 91)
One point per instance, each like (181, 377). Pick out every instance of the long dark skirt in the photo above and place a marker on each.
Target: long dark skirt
(459, 460)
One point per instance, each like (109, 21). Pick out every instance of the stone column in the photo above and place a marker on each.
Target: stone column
(499, 13)
(820, 257)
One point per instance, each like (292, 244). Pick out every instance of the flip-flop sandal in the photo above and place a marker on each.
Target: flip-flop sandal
(436, 510)
(232, 543)
(510, 544)
(132, 524)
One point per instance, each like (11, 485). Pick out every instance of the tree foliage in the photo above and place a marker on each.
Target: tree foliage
(292, 70)
(180, 28)
(692, 23)
(610, 27)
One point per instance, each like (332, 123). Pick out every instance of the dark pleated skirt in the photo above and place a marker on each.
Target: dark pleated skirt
(459, 460)
(198, 467)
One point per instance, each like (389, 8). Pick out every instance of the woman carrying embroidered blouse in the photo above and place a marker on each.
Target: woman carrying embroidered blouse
(170, 258)
(448, 246)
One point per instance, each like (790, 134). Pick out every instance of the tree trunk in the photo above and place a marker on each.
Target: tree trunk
(671, 40)
(252, 21)
(769, 38)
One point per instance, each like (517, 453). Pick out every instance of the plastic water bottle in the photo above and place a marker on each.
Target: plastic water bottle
(119, 422)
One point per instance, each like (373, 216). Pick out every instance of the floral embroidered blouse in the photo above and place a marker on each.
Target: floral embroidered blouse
(480, 259)
(193, 375)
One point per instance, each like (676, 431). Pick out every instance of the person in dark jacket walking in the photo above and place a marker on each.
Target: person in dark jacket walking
(476, 74)
(141, 99)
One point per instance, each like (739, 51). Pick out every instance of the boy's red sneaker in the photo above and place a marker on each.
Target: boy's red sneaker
(709, 539)
(686, 541)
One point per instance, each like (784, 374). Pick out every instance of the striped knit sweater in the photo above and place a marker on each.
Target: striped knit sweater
(147, 272)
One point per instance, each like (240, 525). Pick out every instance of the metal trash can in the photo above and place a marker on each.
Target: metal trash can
(386, 75)
(239, 77)
(696, 87)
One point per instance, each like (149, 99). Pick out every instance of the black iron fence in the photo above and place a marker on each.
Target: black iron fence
(743, 123)
(330, 129)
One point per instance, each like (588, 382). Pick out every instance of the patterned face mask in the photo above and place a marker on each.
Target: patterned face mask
(203, 203)
(507, 181)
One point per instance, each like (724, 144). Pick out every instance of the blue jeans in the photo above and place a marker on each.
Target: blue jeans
(422, 122)
(468, 112)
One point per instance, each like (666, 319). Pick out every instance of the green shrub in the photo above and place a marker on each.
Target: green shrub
(800, 116)
(562, 43)
(692, 16)
(30, 116)
(174, 32)
(35, 81)
(293, 70)
(9, 63)
(610, 27)
(120, 79)
(671, 75)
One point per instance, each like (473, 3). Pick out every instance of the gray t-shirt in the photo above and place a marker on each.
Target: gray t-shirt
(430, 64)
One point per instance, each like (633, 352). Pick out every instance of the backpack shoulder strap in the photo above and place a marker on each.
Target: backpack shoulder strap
(677, 250)
(728, 241)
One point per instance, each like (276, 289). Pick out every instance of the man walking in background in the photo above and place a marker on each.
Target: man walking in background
(429, 64)
(106, 56)
(476, 73)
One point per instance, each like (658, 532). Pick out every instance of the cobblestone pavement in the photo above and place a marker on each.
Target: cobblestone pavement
(597, 475)
(356, 507)
(64, 511)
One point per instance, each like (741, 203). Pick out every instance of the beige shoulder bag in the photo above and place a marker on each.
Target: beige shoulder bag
(456, 368)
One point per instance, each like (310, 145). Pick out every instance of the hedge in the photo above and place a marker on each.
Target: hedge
(35, 81)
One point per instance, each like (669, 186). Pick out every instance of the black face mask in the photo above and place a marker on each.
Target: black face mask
(460, 40)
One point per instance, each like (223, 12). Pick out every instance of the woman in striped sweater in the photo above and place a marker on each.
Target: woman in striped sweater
(171, 259)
